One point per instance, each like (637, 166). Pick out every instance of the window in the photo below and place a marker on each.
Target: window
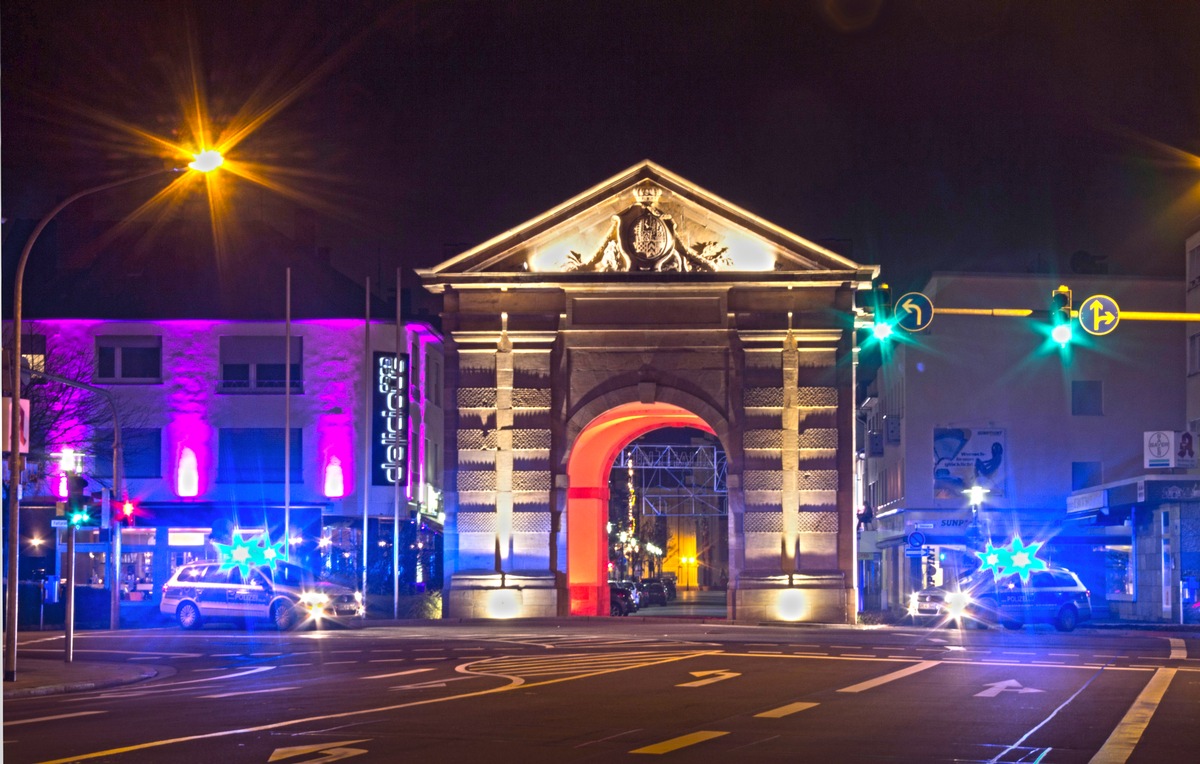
(142, 451)
(255, 455)
(1119, 580)
(259, 364)
(131, 358)
(33, 353)
(433, 383)
(1087, 398)
(1194, 354)
(1085, 475)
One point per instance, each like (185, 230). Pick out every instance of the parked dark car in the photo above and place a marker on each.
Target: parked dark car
(653, 593)
(634, 593)
(620, 601)
(668, 585)
(1054, 595)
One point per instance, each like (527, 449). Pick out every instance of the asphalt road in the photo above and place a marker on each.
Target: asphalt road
(608, 690)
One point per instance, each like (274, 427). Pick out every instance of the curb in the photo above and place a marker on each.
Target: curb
(60, 689)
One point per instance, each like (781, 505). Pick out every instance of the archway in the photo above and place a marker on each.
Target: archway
(588, 469)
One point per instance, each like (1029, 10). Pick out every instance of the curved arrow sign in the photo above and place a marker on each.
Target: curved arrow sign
(1099, 315)
(913, 312)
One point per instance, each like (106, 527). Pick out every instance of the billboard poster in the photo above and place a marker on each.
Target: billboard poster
(964, 457)
(389, 420)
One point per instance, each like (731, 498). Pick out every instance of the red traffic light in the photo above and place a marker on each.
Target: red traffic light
(127, 511)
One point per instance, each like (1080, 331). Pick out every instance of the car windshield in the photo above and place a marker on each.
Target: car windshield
(287, 574)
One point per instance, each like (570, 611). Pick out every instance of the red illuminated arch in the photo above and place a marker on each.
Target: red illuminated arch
(588, 468)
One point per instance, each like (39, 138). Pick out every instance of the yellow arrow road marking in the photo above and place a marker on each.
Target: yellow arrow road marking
(335, 748)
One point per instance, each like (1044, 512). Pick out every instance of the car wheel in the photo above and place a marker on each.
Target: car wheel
(283, 616)
(188, 616)
(1067, 619)
(985, 616)
(615, 609)
(1013, 625)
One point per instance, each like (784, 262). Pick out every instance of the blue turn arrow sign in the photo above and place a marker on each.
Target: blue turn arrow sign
(913, 312)
(1099, 315)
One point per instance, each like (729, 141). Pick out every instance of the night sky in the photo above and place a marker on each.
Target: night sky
(918, 135)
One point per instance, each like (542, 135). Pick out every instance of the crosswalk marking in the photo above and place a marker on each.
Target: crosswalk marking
(1178, 649)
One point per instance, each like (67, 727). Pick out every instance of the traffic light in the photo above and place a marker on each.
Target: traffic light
(1060, 315)
(883, 312)
(79, 508)
(127, 512)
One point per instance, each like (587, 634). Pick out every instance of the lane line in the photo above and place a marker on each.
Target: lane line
(782, 711)
(906, 671)
(610, 737)
(1120, 744)
(248, 692)
(52, 718)
(683, 741)
(1000, 756)
(398, 673)
(1178, 649)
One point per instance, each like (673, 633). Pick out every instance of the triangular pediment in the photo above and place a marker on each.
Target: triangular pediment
(645, 219)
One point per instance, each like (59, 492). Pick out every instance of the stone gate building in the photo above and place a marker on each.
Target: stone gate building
(647, 302)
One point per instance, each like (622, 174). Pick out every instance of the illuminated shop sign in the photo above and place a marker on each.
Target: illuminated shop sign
(389, 420)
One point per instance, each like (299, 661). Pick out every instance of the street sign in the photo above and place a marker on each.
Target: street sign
(916, 540)
(913, 312)
(58, 522)
(911, 552)
(1099, 315)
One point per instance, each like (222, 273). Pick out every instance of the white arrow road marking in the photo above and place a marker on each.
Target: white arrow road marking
(335, 748)
(52, 718)
(718, 675)
(249, 692)
(1008, 685)
(398, 673)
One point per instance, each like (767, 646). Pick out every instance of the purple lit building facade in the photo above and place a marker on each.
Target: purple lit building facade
(204, 406)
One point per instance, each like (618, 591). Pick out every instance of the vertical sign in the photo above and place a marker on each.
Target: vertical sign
(23, 439)
(389, 420)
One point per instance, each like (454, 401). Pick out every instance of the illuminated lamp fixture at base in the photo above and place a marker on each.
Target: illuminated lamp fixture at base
(504, 603)
(791, 605)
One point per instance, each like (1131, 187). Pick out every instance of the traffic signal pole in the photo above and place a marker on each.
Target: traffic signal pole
(69, 635)
(118, 494)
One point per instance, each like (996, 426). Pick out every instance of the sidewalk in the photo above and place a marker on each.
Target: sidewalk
(40, 676)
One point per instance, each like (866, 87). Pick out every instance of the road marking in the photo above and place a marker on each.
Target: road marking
(52, 718)
(610, 737)
(1008, 685)
(398, 673)
(858, 655)
(1120, 744)
(442, 658)
(249, 692)
(782, 711)
(337, 751)
(1178, 649)
(336, 663)
(683, 741)
(387, 660)
(767, 652)
(717, 675)
(906, 671)
(428, 685)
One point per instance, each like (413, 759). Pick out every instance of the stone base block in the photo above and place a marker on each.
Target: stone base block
(487, 594)
(808, 597)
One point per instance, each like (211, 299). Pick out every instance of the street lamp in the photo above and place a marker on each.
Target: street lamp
(206, 161)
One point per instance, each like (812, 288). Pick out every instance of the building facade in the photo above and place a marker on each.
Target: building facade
(203, 407)
(1053, 434)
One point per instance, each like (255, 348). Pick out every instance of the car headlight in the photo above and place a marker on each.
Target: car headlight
(912, 604)
(957, 602)
(314, 599)
(358, 597)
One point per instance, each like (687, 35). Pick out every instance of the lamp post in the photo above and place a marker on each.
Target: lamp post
(204, 162)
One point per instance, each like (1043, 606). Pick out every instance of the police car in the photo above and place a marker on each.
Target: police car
(283, 594)
(1054, 596)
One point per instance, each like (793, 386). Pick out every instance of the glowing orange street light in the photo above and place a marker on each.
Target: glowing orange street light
(205, 161)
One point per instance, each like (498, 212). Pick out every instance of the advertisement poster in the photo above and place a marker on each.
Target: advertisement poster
(965, 457)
